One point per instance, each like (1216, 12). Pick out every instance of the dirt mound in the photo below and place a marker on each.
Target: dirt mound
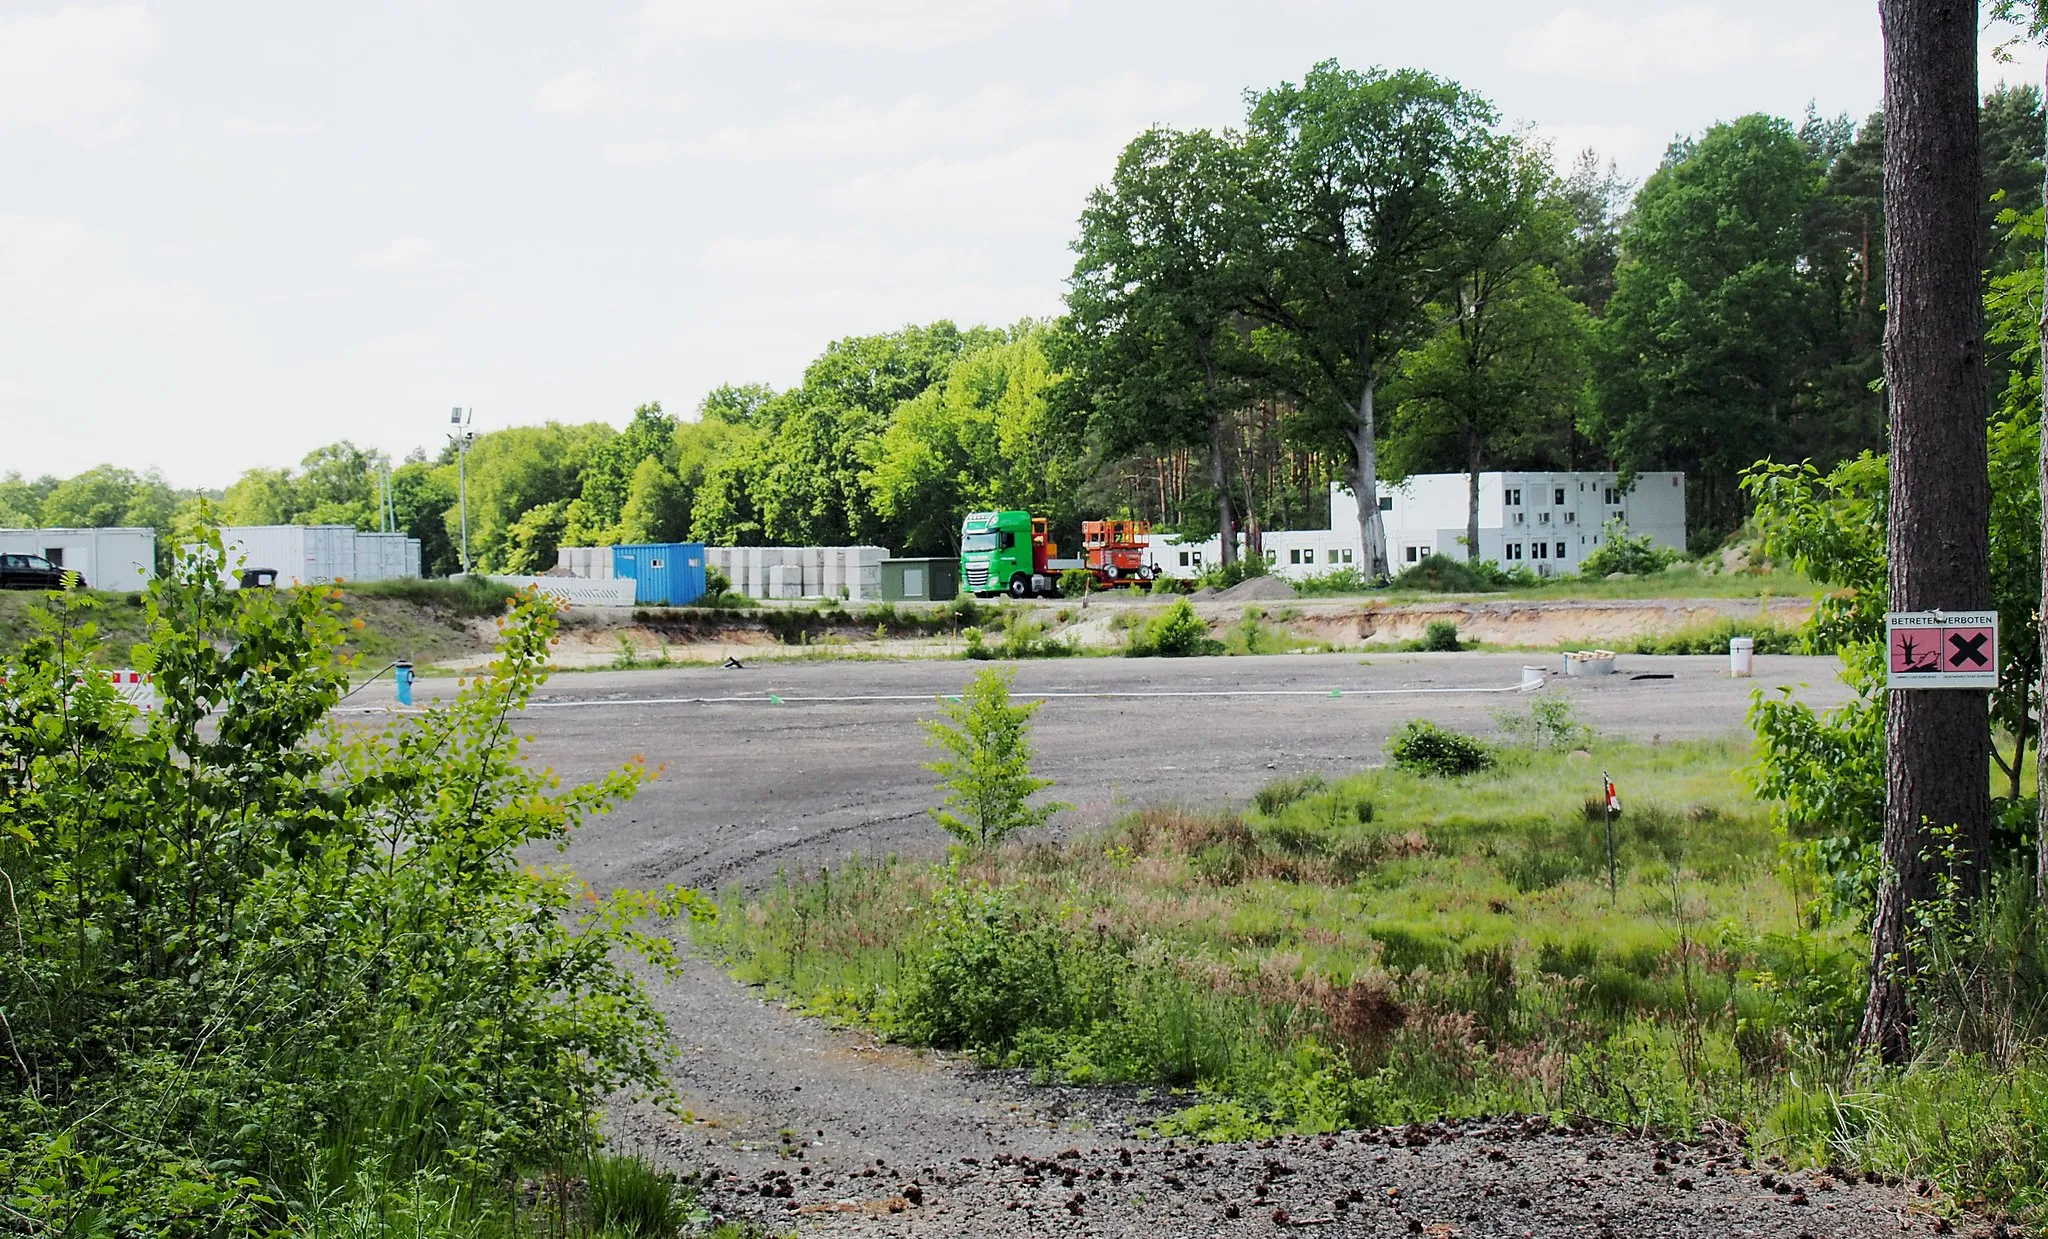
(1258, 589)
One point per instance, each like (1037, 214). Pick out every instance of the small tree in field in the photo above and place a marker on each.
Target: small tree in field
(986, 769)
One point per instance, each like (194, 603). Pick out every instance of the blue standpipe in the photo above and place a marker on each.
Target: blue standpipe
(402, 673)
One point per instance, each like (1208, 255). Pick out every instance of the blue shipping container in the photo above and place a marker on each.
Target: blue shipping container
(664, 574)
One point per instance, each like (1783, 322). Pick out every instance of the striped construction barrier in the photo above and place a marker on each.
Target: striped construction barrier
(137, 688)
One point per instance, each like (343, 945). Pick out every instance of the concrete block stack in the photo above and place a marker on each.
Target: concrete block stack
(850, 572)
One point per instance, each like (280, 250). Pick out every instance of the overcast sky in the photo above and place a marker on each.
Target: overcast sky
(231, 232)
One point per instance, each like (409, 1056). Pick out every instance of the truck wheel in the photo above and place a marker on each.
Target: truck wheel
(1020, 586)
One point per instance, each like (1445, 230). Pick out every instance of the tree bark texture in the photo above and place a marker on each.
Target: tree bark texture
(1937, 742)
(1365, 484)
(1219, 479)
(2041, 749)
(1472, 462)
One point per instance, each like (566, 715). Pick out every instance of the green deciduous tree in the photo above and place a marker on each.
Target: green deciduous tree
(985, 436)
(1702, 349)
(1159, 341)
(985, 771)
(1505, 369)
(1363, 176)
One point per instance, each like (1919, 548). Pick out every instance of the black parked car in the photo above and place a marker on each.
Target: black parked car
(35, 572)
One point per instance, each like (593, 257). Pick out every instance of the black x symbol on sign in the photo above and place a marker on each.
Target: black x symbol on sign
(1967, 651)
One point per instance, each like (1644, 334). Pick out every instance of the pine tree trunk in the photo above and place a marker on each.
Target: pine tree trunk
(1938, 742)
(1472, 446)
(1365, 485)
(2041, 750)
(1218, 479)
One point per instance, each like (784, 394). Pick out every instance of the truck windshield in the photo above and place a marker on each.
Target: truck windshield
(979, 542)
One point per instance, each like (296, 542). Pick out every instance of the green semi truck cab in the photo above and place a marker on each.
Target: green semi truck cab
(1006, 552)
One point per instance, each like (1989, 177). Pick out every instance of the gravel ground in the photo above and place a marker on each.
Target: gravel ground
(835, 769)
(819, 1131)
(1503, 1178)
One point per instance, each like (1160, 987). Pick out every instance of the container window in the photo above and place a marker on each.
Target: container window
(654, 563)
(1560, 550)
(1414, 554)
(1386, 503)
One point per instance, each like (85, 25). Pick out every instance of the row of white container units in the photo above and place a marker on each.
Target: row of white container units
(318, 554)
(112, 558)
(1548, 522)
(850, 572)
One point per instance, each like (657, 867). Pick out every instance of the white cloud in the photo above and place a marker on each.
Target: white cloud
(571, 94)
(243, 127)
(761, 257)
(399, 252)
(1694, 41)
(59, 271)
(405, 344)
(909, 25)
(849, 128)
(74, 72)
(1041, 183)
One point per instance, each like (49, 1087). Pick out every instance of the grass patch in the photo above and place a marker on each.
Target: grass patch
(1392, 946)
(472, 597)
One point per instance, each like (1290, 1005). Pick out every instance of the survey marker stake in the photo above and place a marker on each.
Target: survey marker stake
(1613, 808)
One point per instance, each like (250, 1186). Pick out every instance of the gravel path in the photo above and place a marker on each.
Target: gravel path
(819, 1131)
(816, 1131)
(1503, 1178)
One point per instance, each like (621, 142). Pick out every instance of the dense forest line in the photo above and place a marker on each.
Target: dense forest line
(1209, 367)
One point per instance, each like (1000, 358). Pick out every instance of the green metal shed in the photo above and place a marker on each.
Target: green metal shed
(920, 580)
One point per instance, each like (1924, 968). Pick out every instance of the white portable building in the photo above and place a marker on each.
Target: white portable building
(115, 558)
(319, 554)
(385, 556)
(299, 554)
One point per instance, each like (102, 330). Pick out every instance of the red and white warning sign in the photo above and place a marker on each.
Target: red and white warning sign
(1942, 649)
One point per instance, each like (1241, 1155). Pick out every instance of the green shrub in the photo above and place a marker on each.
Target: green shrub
(1426, 748)
(1176, 632)
(988, 974)
(1075, 581)
(1442, 574)
(256, 944)
(1441, 637)
(1345, 580)
(1236, 572)
(1619, 553)
(1551, 722)
(716, 582)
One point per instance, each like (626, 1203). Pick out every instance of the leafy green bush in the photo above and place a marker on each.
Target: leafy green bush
(988, 975)
(1076, 582)
(1442, 574)
(243, 943)
(986, 770)
(1236, 572)
(1176, 632)
(1441, 637)
(1426, 748)
(716, 582)
(1551, 722)
(1620, 553)
(1345, 580)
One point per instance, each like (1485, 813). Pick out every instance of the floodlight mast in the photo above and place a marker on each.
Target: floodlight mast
(459, 418)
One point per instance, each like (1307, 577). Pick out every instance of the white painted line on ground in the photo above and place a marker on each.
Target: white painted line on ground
(1051, 695)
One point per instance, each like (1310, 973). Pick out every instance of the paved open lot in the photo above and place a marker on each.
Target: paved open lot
(836, 768)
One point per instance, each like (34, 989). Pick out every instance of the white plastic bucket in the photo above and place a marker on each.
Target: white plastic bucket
(1532, 678)
(1740, 652)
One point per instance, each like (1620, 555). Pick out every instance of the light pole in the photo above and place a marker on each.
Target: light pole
(459, 418)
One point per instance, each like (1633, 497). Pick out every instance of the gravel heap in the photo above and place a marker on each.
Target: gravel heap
(1258, 589)
(1513, 1177)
